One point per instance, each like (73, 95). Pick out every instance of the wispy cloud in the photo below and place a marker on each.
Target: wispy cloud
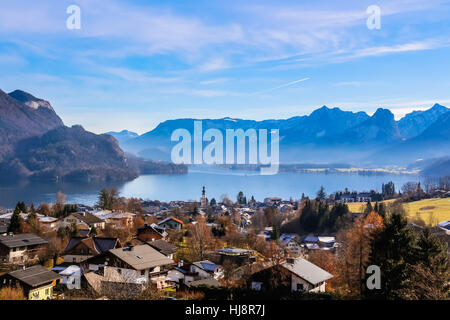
(283, 86)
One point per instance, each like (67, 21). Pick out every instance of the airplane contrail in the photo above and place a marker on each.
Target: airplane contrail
(283, 85)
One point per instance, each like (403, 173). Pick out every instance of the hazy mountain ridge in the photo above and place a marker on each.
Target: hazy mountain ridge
(326, 135)
(123, 135)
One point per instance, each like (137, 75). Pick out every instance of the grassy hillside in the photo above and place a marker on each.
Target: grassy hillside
(432, 211)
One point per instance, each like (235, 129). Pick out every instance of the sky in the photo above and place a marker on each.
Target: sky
(133, 64)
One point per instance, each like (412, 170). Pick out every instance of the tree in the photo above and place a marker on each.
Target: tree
(354, 253)
(58, 207)
(16, 221)
(326, 261)
(44, 209)
(241, 199)
(103, 200)
(429, 277)
(12, 293)
(321, 195)
(368, 208)
(213, 202)
(393, 249)
(419, 192)
(388, 190)
(199, 241)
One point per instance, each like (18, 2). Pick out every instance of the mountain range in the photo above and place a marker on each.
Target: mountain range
(326, 135)
(35, 144)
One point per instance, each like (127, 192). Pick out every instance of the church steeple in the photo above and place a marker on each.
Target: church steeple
(203, 201)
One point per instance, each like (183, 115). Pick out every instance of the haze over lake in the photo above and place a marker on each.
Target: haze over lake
(188, 186)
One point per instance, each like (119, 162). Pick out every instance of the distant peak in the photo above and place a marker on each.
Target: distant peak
(438, 106)
(383, 114)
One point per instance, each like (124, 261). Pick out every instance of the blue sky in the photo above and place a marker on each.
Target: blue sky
(136, 63)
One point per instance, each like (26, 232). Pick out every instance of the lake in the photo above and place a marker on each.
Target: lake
(188, 187)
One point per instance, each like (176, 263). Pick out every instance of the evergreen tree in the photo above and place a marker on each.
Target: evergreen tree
(432, 252)
(213, 202)
(321, 195)
(368, 208)
(15, 224)
(393, 249)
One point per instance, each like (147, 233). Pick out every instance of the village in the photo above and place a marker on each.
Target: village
(136, 249)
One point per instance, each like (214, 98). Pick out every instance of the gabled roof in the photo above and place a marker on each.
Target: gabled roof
(206, 265)
(141, 257)
(311, 239)
(87, 218)
(97, 244)
(207, 282)
(170, 218)
(307, 271)
(21, 240)
(153, 227)
(162, 246)
(35, 276)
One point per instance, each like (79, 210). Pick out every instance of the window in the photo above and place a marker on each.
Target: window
(142, 272)
(46, 292)
(256, 286)
(301, 287)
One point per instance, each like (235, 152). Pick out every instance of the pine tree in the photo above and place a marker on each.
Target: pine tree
(15, 224)
(393, 250)
(103, 200)
(321, 195)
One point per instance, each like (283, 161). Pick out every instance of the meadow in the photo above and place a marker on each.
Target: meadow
(431, 211)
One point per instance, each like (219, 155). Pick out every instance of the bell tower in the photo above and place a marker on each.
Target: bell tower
(203, 201)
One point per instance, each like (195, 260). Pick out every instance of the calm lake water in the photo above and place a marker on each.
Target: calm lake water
(188, 187)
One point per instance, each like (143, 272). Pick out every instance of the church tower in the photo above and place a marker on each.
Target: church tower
(203, 200)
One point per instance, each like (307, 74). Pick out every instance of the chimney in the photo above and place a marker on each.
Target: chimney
(291, 260)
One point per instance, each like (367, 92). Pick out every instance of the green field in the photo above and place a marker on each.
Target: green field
(432, 211)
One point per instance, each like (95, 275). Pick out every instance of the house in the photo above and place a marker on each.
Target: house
(17, 248)
(210, 282)
(48, 223)
(120, 219)
(320, 243)
(289, 241)
(327, 243)
(81, 248)
(164, 247)
(294, 275)
(70, 276)
(182, 274)
(206, 269)
(236, 256)
(37, 282)
(171, 223)
(82, 218)
(139, 265)
(272, 201)
(445, 226)
(151, 233)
